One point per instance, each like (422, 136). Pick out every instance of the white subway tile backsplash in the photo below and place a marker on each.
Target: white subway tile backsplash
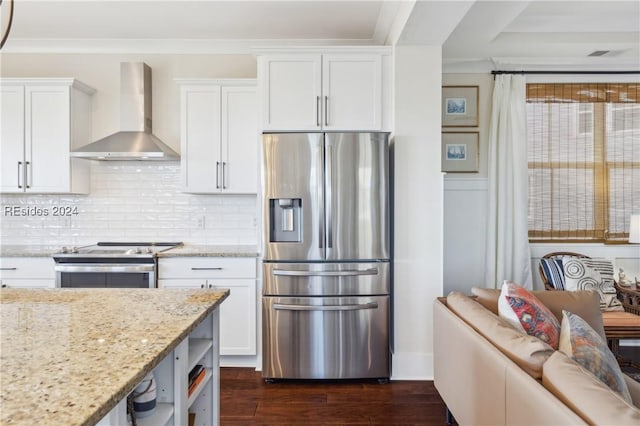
(132, 201)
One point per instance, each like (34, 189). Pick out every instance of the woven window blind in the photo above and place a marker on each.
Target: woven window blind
(584, 160)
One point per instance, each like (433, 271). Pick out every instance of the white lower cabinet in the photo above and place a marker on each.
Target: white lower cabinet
(238, 312)
(27, 272)
(174, 402)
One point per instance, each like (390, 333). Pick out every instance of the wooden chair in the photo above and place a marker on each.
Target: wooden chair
(617, 325)
(556, 254)
(629, 297)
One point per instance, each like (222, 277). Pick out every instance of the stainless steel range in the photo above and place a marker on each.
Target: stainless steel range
(110, 264)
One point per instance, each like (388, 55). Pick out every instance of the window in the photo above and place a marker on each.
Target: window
(584, 161)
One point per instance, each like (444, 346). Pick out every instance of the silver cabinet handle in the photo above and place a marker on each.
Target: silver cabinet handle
(224, 175)
(19, 174)
(9, 269)
(217, 174)
(326, 110)
(345, 273)
(358, 307)
(207, 269)
(328, 182)
(29, 174)
(318, 111)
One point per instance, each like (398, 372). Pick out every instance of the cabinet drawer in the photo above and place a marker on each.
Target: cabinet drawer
(27, 268)
(206, 267)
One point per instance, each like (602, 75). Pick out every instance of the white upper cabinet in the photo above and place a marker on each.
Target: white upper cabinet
(219, 136)
(42, 121)
(328, 91)
(292, 91)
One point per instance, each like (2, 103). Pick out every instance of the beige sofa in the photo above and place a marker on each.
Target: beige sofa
(490, 374)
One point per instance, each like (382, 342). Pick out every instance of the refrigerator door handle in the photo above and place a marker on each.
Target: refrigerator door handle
(320, 200)
(359, 307)
(328, 184)
(345, 273)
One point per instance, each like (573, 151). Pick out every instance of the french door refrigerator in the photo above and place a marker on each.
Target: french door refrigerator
(326, 257)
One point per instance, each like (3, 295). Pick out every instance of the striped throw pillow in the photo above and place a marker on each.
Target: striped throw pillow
(552, 269)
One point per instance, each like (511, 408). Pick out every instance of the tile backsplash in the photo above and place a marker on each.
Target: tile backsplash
(129, 201)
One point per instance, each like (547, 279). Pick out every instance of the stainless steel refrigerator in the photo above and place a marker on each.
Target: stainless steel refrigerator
(326, 267)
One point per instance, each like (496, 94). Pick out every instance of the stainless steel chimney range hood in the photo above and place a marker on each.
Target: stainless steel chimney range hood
(135, 140)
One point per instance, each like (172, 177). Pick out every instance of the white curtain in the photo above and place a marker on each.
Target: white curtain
(507, 243)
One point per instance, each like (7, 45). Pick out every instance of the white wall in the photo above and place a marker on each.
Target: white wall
(418, 208)
(465, 197)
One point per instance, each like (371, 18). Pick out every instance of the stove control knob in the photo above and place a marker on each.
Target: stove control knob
(138, 250)
(74, 249)
(65, 249)
(149, 250)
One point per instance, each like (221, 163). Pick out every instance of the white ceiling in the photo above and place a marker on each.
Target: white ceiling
(475, 35)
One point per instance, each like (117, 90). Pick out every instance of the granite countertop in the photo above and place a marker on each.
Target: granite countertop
(194, 250)
(69, 355)
(28, 250)
(186, 250)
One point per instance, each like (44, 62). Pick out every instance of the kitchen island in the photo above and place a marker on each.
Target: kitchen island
(71, 356)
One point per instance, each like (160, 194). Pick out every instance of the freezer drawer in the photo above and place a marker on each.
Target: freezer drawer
(326, 337)
(326, 279)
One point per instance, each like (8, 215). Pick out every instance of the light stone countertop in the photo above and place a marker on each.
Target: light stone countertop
(193, 250)
(28, 250)
(69, 355)
(187, 250)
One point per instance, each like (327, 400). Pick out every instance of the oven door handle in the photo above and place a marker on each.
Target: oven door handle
(345, 273)
(104, 267)
(358, 307)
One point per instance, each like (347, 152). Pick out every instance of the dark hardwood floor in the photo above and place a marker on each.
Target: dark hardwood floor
(245, 399)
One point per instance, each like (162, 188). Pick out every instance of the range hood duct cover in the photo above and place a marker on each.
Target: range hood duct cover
(135, 140)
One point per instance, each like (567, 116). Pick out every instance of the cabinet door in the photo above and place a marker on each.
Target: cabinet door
(352, 92)
(291, 92)
(240, 136)
(237, 312)
(34, 283)
(47, 138)
(200, 139)
(27, 272)
(237, 317)
(12, 138)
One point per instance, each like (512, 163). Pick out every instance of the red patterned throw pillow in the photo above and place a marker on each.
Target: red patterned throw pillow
(527, 313)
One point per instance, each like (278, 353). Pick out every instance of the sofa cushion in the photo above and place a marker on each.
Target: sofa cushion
(552, 269)
(586, 304)
(592, 274)
(528, 352)
(587, 396)
(580, 342)
(527, 313)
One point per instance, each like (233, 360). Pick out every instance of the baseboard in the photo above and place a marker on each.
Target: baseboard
(412, 366)
(238, 361)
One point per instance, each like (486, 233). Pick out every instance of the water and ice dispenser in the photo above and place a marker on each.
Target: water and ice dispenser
(284, 220)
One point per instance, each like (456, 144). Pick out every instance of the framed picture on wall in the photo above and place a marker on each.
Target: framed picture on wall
(459, 106)
(460, 152)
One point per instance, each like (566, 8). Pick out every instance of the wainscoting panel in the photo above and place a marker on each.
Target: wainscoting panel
(464, 233)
